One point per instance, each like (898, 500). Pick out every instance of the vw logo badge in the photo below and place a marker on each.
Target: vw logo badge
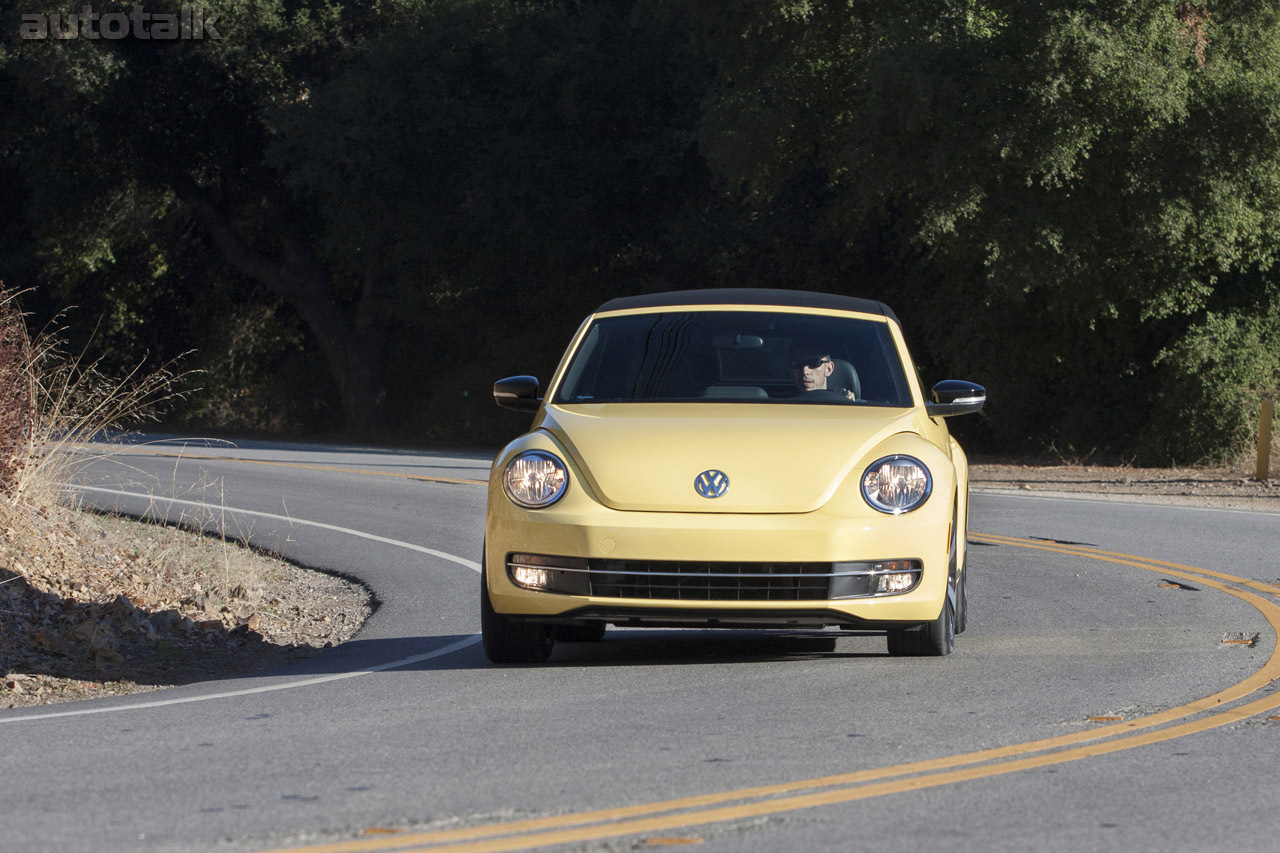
(711, 484)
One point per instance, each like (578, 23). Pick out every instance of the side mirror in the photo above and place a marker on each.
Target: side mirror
(956, 397)
(517, 392)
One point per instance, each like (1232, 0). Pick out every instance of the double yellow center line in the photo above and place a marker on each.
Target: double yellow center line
(1220, 709)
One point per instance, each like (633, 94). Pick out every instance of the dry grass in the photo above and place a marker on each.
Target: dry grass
(50, 402)
(93, 605)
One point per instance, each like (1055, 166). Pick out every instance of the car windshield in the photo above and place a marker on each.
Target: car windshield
(734, 356)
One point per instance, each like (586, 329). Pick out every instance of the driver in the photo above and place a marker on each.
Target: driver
(810, 368)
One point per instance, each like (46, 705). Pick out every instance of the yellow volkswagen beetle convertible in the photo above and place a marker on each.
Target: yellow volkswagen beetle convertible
(729, 459)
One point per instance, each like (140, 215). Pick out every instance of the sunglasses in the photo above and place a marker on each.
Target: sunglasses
(811, 363)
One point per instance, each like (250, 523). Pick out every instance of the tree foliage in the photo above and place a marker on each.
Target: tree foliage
(364, 213)
(1062, 190)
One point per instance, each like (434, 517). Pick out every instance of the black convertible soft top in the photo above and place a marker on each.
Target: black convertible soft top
(751, 296)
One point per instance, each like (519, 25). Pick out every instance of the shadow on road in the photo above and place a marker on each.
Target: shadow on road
(652, 647)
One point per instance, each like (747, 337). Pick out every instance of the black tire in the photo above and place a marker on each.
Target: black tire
(507, 640)
(932, 639)
(959, 576)
(590, 632)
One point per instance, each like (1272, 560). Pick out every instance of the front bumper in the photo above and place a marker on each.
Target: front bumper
(584, 529)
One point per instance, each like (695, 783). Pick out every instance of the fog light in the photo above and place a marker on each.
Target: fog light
(543, 573)
(886, 577)
(897, 582)
(531, 578)
(896, 576)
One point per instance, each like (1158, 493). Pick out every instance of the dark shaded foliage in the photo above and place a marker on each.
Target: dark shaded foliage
(17, 390)
(363, 214)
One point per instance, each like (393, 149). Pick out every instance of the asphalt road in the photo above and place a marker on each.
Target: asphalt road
(742, 741)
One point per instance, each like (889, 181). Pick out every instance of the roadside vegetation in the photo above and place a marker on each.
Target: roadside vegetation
(361, 215)
(93, 604)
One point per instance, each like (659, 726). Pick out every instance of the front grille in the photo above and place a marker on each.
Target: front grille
(706, 581)
(693, 580)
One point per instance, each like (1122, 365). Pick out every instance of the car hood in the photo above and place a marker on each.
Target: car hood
(778, 458)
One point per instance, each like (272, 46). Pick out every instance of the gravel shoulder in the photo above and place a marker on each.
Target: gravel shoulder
(94, 605)
(1210, 487)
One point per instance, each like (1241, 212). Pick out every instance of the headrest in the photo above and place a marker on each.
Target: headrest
(844, 376)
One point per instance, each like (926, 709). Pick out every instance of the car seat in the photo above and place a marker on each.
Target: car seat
(844, 376)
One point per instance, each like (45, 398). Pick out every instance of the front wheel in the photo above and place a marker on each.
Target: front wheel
(507, 640)
(932, 639)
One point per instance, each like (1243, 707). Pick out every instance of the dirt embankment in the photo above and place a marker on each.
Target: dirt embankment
(95, 606)
(1219, 487)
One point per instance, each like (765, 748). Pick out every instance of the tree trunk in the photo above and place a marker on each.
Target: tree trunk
(354, 355)
(354, 349)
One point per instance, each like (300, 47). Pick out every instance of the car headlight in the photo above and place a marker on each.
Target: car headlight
(535, 479)
(896, 484)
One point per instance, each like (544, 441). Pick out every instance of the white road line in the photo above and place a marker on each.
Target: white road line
(440, 652)
(470, 564)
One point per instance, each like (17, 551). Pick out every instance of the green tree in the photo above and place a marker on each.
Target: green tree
(385, 170)
(507, 170)
(111, 138)
(1054, 193)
